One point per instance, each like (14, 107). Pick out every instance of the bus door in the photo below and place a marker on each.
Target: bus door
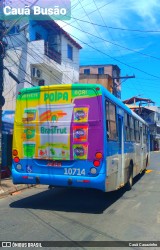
(120, 150)
(141, 146)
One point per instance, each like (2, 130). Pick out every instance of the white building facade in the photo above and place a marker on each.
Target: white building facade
(40, 53)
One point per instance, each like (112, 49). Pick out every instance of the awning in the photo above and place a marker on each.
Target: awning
(7, 121)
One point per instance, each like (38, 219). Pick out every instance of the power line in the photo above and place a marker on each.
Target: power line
(117, 28)
(95, 10)
(17, 54)
(17, 65)
(118, 45)
(116, 59)
(89, 19)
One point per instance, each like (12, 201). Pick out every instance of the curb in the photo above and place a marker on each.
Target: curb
(14, 189)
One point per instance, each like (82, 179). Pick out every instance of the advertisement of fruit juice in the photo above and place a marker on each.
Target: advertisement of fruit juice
(55, 113)
(54, 122)
(55, 141)
(29, 115)
(29, 149)
(81, 114)
(29, 132)
(80, 133)
(54, 151)
(80, 151)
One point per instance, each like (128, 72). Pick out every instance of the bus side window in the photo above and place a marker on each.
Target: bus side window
(132, 129)
(127, 127)
(107, 108)
(137, 131)
(144, 134)
(111, 121)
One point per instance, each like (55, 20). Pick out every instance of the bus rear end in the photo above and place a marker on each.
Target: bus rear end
(58, 137)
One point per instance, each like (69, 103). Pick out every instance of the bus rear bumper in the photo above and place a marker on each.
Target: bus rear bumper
(97, 182)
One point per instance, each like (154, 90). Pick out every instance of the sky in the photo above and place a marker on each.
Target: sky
(124, 33)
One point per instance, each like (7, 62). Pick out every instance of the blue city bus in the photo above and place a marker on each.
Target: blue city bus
(77, 135)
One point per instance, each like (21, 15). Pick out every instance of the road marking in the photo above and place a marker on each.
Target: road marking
(137, 205)
(148, 171)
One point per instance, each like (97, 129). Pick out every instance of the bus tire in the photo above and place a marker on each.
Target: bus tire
(129, 184)
(147, 162)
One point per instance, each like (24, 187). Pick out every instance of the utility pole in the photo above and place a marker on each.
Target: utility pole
(123, 77)
(2, 53)
(3, 32)
(115, 86)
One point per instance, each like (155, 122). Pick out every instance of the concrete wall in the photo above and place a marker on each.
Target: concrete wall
(104, 80)
(114, 85)
(70, 67)
(94, 69)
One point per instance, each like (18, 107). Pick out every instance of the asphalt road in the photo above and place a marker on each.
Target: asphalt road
(39, 214)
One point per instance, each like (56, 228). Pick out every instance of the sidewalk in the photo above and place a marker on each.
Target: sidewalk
(8, 188)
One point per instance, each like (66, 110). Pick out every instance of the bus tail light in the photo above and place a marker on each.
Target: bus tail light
(24, 177)
(86, 181)
(15, 152)
(99, 155)
(16, 159)
(96, 163)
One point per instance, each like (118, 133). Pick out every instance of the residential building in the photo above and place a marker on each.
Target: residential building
(151, 114)
(40, 53)
(105, 74)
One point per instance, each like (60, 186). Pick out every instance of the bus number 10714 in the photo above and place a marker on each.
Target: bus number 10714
(74, 171)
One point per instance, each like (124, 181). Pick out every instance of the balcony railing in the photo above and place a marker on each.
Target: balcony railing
(51, 53)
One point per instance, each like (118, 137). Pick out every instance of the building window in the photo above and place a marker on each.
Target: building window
(41, 82)
(87, 71)
(14, 30)
(70, 52)
(101, 71)
(38, 36)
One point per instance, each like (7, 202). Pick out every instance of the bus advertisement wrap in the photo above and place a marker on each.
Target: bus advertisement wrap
(54, 124)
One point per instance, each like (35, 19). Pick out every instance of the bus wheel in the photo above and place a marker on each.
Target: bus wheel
(147, 162)
(129, 184)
